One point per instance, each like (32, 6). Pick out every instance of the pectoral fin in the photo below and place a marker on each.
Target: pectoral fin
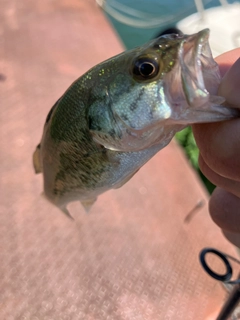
(106, 140)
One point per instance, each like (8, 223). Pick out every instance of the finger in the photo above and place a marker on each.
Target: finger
(227, 59)
(232, 237)
(230, 87)
(220, 181)
(224, 209)
(219, 142)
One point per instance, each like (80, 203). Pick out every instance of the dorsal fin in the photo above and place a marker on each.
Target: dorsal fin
(36, 160)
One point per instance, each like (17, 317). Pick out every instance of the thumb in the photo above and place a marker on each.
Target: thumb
(230, 85)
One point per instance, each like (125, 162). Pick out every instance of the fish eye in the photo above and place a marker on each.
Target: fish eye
(145, 68)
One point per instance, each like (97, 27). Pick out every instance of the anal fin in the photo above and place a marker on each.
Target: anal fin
(87, 204)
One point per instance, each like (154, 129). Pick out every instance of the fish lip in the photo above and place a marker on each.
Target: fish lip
(195, 56)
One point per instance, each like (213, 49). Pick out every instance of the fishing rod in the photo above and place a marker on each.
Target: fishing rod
(234, 296)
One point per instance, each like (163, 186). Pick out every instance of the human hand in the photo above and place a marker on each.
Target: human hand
(219, 159)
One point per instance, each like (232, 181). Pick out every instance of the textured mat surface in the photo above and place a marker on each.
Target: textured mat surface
(133, 257)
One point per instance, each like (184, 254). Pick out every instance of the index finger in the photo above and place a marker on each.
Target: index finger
(219, 142)
(227, 59)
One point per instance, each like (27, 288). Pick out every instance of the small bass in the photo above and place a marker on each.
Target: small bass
(120, 113)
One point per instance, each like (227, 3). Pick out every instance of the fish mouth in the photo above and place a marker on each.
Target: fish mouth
(200, 75)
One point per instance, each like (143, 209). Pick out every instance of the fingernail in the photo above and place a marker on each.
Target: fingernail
(230, 85)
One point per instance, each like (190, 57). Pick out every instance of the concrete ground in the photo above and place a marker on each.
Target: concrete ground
(134, 256)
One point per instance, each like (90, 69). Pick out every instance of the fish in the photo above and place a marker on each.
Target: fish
(121, 112)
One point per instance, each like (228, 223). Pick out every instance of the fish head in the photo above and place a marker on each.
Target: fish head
(154, 90)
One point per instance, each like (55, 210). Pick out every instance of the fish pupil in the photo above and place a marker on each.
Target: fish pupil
(146, 69)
